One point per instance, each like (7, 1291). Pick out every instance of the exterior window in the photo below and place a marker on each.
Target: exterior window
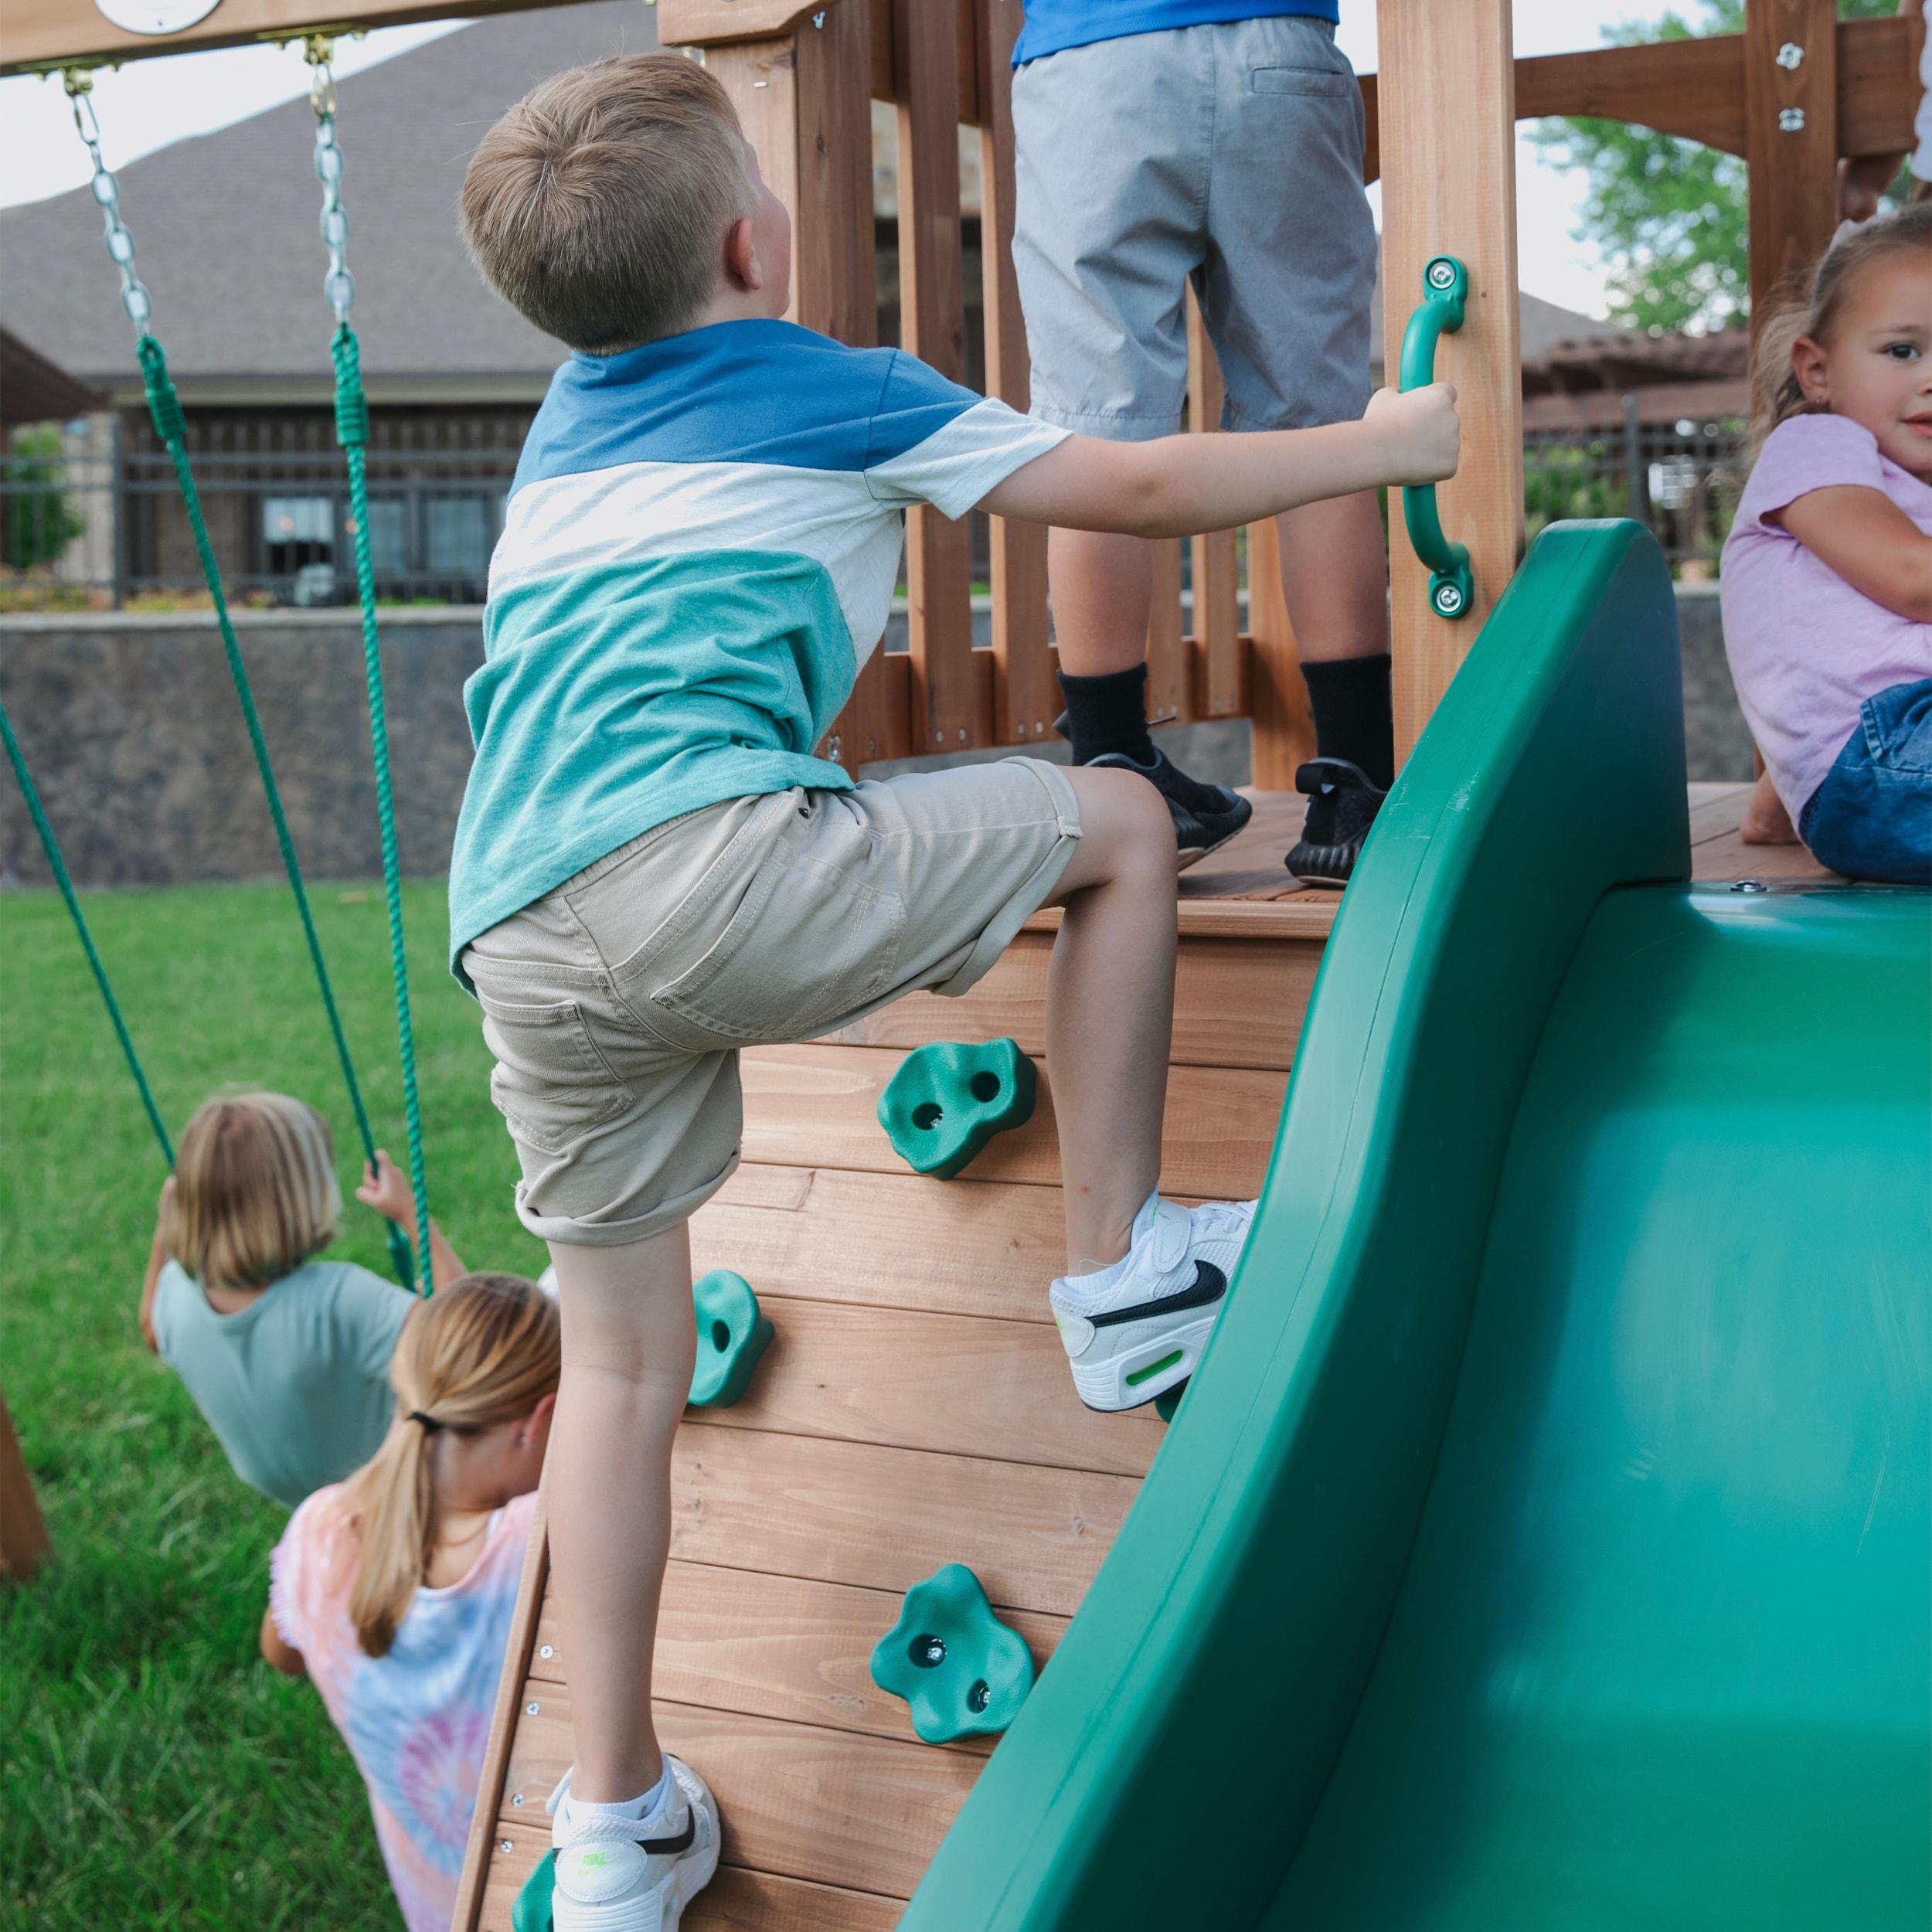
(457, 538)
(296, 530)
(389, 536)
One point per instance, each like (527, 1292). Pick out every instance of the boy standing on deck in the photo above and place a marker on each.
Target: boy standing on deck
(653, 869)
(1158, 141)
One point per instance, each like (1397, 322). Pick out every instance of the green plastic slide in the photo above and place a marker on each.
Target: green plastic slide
(1546, 1539)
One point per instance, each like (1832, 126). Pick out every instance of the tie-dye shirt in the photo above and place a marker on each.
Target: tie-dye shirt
(416, 1720)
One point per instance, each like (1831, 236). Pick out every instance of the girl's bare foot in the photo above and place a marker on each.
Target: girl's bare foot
(1766, 820)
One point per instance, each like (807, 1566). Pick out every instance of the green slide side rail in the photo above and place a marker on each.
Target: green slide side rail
(1172, 1755)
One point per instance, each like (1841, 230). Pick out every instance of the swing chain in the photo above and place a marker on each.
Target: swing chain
(339, 285)
(78, 83)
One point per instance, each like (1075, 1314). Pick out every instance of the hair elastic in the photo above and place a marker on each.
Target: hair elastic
(429, 1424)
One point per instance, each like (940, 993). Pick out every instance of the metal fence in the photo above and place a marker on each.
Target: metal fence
(90, 515)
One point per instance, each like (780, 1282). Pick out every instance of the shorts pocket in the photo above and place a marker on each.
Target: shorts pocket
(1325, 83)
(806, 944)
(550, 1083)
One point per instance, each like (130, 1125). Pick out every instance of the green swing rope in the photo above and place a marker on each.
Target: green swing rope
(58, 866)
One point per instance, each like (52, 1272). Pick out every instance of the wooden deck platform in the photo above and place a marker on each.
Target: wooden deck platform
(915, 1409)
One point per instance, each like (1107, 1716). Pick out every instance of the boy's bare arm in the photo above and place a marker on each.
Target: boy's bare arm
(1180, 485)
(1862, 535)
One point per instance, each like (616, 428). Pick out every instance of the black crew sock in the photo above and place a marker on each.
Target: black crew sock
(1107, 713)
(1354, 717)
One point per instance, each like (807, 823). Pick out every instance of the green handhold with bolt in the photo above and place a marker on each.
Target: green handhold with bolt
(732, 1333)
(1445, 295)
(533, 1911)
(963, 1672)
(949, 1098)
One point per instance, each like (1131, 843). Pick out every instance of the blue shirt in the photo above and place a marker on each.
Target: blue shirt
(1052, 25)
(699, 551)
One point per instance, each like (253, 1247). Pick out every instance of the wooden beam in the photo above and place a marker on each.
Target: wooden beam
(1449, 150)
(1216, 657)
(1283, 733)
(709, 23)
(1790, 59)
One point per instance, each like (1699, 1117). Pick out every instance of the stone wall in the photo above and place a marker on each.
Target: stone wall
(132, 731)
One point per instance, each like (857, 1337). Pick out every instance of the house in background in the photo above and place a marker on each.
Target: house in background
(225, 227)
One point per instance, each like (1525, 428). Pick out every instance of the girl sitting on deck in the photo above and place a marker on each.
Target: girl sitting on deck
(1828, 569)
(286, 1355)
(393, 1592)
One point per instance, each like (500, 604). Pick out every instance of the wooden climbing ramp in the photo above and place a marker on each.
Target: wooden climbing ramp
(914, 1409)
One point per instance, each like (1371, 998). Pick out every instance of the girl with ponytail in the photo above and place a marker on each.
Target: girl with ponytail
(393, 1592)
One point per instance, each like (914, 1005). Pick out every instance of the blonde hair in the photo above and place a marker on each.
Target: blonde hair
(598, 205)
(1813, 310)
(485, 1351)
(255, 1190)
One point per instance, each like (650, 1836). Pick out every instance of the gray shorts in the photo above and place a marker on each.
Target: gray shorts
(615, 1005)
(1229, 154)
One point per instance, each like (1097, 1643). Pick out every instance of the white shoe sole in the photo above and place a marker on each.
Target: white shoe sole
(1160, 1356)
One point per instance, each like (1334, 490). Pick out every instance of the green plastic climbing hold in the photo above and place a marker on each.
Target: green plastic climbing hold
(963, 1671)
(532, 1912)
(732, 1335)
(948, 1099)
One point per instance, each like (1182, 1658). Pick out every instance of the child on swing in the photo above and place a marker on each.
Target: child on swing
(393, 1592)
(1828, 570)
(285, 1355)
(652, 868)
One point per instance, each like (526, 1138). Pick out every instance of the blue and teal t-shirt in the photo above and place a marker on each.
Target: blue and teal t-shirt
(699, 551)
(1052, 25)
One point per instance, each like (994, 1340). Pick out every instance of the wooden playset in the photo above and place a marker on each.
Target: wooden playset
(913, 1408)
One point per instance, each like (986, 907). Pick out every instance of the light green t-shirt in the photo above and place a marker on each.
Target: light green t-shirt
(296, 1385)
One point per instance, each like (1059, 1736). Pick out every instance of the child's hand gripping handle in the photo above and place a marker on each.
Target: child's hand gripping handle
(1445, 286)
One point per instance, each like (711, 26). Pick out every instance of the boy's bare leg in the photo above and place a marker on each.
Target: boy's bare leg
(1766, 820)
(1335, 578)
(1102, 587)
(629, 1342)
(1109, 1011)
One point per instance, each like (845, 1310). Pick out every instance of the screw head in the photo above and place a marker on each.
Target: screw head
(1448, 600)
(1441, 275)
(504, 1845)
(547, 1650)
(1749, 885)
(531, 1709)
(1791, 56)
(1790, 119)
(516, 1801)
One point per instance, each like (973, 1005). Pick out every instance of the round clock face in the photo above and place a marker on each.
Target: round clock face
(155, 16)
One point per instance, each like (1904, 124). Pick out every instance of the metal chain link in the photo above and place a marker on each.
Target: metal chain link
(134, 297)
(339, 285)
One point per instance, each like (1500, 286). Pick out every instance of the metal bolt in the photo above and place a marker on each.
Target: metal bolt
(504, 1845)
(1448, 600)
(818, 21)
(962, 734)
(1790, 119)
(516, 1801)
(1750, 886)
(1791, 56)
(531, 1709)
(546, 1652)
(832, 747)
(1441, 275)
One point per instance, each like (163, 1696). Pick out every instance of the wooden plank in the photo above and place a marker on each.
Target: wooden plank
(852, 1512)
(933, 327)
(887, 1240)
(1284, 735)
(1170, 671)
(699, 23)
(1691, 88)
(776, 1646)
(835, 276)
(736, 1900)
(814, 1106)
(1279, 908)
(530, 1592)
(1449, 166)
(1216, 652)
(761, 78)
(956, 1385)
(826, 1806)
(1026, 697)
(1235, 1004)
(1790, 142)
(24, 1543)
(1878, 84)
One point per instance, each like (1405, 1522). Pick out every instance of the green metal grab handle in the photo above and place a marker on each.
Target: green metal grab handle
(1445, 289)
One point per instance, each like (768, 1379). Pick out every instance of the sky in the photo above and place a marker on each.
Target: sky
(150, 103)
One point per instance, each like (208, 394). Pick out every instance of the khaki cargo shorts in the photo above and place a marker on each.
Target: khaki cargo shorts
(615, 1005)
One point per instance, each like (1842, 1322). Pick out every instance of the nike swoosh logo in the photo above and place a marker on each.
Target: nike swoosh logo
(683, 1842)
(1210, 1284)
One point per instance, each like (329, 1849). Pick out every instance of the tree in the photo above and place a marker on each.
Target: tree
(37, 520)
(1668, 214)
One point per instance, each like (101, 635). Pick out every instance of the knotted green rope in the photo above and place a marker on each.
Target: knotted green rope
(58, 866)
(352, 431)
(164, 404)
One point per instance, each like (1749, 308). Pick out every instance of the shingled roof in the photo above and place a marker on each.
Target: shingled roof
(225, 228)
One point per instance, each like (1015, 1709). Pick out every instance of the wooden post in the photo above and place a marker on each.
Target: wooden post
(1790, 141)
(1446, 108)
(932, 309)
(1026, 696)
(1216, 653)
(1278, 694)
(24, 1546)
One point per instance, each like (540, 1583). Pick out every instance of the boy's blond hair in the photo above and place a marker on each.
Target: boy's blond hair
(598, 205)
(255, 1190)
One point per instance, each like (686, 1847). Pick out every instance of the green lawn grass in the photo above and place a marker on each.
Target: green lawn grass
(153, 1772)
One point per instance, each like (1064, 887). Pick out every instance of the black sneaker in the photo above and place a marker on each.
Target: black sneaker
(1342, 805)
(1205, 817)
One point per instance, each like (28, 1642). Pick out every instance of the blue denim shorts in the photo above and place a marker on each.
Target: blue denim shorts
(1872, 818)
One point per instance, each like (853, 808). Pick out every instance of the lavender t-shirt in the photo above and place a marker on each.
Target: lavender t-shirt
(1806, 649)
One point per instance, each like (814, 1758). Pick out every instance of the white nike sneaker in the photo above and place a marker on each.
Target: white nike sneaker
(609, 1878)
(1143, 1332)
